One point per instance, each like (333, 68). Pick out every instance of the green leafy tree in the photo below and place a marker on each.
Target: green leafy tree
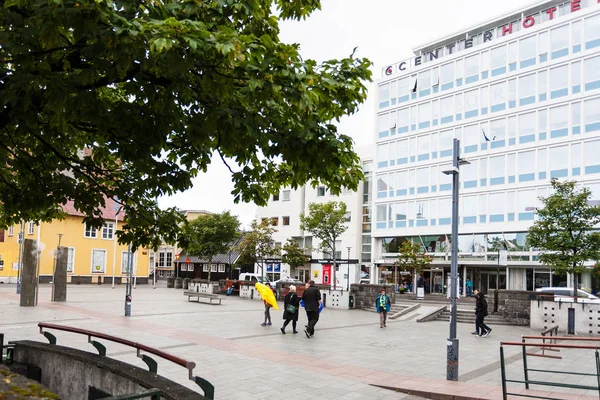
(258, 244)
(412, 256)
(327, 222)
(210, 235)
(132, 99)
(294, 255)
(564, 230)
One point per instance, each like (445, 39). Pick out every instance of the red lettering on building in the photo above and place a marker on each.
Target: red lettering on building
(528, 22)
(506, 29)
(550, 12)
(576, 5)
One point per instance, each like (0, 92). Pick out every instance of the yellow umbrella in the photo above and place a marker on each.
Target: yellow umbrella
(267, 294)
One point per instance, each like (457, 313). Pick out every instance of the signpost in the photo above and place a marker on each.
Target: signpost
(187, 264)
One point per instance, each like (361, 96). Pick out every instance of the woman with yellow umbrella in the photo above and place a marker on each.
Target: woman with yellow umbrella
(268, 296)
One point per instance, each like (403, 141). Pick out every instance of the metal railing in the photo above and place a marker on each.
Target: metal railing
(549, 347)
(206, 386)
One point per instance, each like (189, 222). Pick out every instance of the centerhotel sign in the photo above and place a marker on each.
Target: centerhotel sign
(482, 37)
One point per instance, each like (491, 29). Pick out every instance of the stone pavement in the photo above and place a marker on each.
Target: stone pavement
(350, 357)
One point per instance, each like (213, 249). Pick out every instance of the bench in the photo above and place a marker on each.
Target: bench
(199, 296)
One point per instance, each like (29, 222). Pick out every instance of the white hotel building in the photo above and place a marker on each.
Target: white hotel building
(522, 93)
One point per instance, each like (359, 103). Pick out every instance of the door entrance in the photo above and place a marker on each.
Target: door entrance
(437, 281)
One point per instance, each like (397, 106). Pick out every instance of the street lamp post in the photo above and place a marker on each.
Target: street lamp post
(452, 343)
(177, 257)
(348, 276)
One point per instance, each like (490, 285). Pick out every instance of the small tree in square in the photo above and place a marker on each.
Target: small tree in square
(327, 222)
(294, 255)
(257, 244)
(564, 230)
(210, 235)
(413, 256)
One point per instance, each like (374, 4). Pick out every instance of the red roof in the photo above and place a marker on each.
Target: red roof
(108, 211)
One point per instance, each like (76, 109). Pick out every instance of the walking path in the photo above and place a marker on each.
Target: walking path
(349, 357)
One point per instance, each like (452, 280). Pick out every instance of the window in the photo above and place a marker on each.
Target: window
(213, 267)
(471, 138)
(458, 103)
(559, 41)
(591, 31)
(383, 155)
(512, 93)
(205, 267)
(446, 140)
(348, 217)
(527, 54)
(424, 85)
(542, 122)
(526, 166)
(591, 73)
(321, 191)
(402, 120)
(512, 56)
(527, 90)
(382, 185)
(498, 133)
(70, 259)
(125, 256)
(485, 99)
(498, 60)
(496, 206)
(526, 201)
(285, 221)
(469, 209)
(384, 125)
(447, 76)
(384, 95)
(424, 115)
(275, 221)
(472, 69)
(542, 84)
(576, 158)
(90, 232)
(468, 175)
(221, 268)
(559, 117)
(499, 94)
(423, 147)
(422, 176)
(483, 174)
(285, 195)
(559, 82)
(108, 230)
(576, 27)
(543, 46)
(169, 261)
(403, 89)
(591, 115)
(446, 105)
(576, 117)
(276, 197)
(576, 77)
(497, 170)
(527, 128)
(590, 157)
(472, 103)
(11, 230)
(559, 167)
(161, 259)
(30, 228)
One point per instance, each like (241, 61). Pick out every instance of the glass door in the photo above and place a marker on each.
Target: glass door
(437, 281)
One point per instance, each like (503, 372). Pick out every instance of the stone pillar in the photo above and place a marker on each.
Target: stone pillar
(59, 286)
(28, 273)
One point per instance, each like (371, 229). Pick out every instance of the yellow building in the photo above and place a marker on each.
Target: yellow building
(94, 254)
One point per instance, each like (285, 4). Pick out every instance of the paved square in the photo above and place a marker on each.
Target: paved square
(244, 360)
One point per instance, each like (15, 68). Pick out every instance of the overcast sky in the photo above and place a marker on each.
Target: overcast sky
(385, 31)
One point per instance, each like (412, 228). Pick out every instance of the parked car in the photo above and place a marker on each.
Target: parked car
(254, 278)
(564, 294)
(287, 281)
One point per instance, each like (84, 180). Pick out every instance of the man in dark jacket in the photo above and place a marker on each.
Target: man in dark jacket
(481, 311)
(312, 302)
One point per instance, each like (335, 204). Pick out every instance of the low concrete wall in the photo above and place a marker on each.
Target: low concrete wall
(338, 298)
(514, 305)
(365, 295)
(203, 286)
(59, 365)
(546, 314)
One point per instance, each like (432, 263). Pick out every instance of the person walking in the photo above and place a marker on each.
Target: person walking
(291, 303)
(469, 285)
(481, 311)
(383, 307)
(267, 311)
(312, 303)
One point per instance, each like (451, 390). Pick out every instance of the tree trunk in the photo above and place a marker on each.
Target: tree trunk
(209, 269)
(576, 286)
(334, 265)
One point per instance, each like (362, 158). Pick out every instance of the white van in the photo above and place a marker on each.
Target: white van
(254, 278)
(565, 295)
